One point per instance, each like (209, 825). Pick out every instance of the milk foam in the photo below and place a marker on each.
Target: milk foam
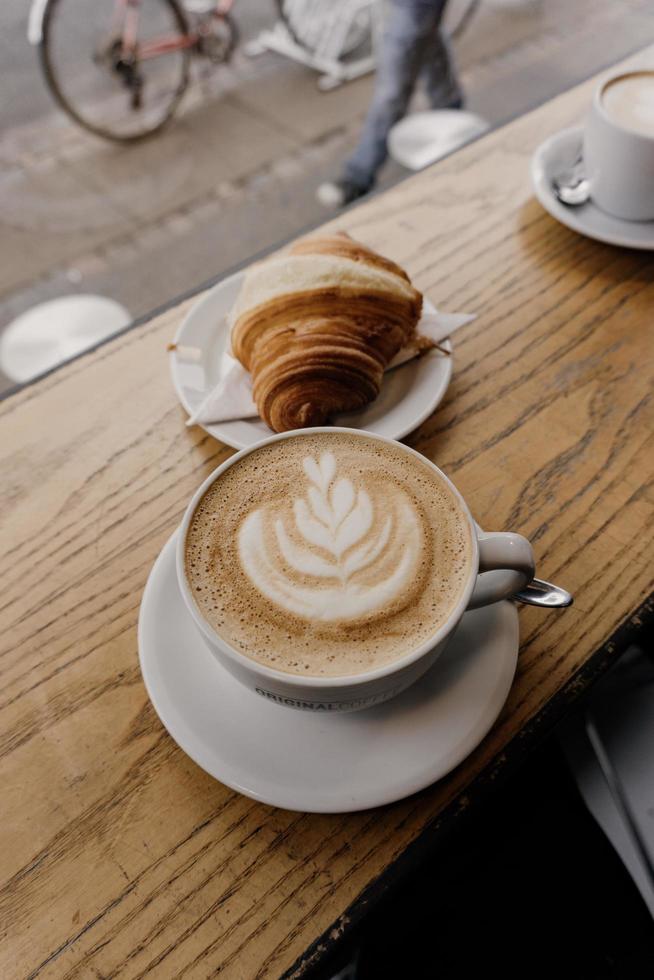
(629, 101)
(327, 554)
(338, 540)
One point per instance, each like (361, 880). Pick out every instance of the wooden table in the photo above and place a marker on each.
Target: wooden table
(120, 857)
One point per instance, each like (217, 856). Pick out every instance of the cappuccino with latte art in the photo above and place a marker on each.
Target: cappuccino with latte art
(328, 554)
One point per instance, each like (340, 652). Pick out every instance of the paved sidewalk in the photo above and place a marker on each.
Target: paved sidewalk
(237, 171)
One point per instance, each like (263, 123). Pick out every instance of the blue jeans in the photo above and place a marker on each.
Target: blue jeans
(412, 44)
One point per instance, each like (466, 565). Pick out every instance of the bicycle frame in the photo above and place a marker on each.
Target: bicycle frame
(126, 12)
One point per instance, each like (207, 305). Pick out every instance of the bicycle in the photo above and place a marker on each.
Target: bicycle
(120, 69)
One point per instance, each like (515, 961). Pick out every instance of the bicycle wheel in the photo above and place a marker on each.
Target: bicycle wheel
(308, 22)
(110, 92)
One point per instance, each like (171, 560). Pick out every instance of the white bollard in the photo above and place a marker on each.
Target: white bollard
(421, 138)
(52, 332)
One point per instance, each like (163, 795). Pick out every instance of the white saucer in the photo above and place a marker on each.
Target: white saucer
(551, 158)
(409, 394)
(322, 764)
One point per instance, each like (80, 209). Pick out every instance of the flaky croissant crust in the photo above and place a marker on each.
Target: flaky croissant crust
(322, 347)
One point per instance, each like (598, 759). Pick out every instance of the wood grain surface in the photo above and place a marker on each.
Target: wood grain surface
(120, 857)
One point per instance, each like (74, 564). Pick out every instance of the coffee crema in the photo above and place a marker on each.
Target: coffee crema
(327, 554)
(629, 101)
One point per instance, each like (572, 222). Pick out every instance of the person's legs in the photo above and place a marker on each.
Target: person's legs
(439, 73)
(408, 36)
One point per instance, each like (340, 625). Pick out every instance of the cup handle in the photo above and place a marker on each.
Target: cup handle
(510, 558)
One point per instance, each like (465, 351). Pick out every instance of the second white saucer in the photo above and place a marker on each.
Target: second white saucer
(552, 158)
(322, 764)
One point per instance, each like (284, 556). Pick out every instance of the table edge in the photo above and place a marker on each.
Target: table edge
(499, 768)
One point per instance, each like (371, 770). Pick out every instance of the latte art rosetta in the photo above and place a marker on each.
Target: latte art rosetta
(331, 555)
(327, 553)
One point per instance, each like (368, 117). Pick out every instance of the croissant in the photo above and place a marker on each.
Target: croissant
(317, 326)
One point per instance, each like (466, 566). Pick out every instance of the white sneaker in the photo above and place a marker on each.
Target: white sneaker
(336, 194)
(331, 195)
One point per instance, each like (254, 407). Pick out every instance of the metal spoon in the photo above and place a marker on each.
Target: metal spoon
(540, 593)
(572, 186)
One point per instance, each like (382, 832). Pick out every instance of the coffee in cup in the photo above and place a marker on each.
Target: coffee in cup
(328, 555)
(628, 101)
(618, 146)
(327, 568)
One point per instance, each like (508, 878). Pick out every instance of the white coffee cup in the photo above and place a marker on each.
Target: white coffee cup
(507, 557)
(618, 153)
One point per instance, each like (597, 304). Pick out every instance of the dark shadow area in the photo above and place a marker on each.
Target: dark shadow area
(527, 887)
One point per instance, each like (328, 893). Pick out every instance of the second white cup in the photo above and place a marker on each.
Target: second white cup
(618, 147)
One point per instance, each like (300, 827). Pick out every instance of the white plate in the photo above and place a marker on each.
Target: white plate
(553, 157)
(409, 394)
(322, 764)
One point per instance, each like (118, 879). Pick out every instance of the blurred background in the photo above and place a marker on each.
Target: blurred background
(236, 170)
